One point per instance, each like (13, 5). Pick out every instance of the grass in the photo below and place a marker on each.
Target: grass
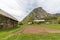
(55, 26)
(35, 37)
(4, 33)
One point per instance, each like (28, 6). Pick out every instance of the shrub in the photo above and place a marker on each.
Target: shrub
(50, 18)
(20, 23)
(58, 21)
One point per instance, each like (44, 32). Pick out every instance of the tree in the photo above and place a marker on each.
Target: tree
(50, 18)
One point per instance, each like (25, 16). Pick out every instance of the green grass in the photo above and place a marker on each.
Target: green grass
(55, 26)
(35, 37)
(4, 33)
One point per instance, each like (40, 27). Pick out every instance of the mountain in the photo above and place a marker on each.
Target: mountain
(36, 14)
(57, 14)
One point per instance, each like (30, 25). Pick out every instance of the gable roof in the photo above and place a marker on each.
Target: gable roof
(7, 15)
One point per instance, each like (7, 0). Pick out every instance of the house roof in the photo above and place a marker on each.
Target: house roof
(7, 15)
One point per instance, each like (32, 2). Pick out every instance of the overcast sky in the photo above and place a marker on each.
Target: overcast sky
(20, 8)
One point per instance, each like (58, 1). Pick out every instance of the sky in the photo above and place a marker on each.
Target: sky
(21, 8)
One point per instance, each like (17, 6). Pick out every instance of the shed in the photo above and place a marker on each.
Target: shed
(7, 20)
(39, 21)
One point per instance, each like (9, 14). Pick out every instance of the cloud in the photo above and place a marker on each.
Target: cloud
(51, 6)
(12, 8)
(21, 8)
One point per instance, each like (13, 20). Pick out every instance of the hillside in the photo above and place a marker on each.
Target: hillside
(36, 14)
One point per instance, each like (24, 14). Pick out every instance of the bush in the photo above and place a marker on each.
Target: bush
(50, 18)
(20, 23)
(58, 21)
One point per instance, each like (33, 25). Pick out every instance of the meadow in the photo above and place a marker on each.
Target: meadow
(54, 26)
(5, 33)
(35, 37)
(48, 36)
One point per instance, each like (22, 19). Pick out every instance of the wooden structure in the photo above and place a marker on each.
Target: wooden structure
(39, 21)
(7, 20)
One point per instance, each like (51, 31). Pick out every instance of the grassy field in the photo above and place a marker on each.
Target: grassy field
(55, 26)
(35, 37)
(5, 33)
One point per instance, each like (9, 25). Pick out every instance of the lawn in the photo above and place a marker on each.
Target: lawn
(35, 37)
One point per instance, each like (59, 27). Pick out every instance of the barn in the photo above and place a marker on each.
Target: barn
(7, 20)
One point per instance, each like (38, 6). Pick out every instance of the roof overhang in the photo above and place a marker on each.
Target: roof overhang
(7, 15)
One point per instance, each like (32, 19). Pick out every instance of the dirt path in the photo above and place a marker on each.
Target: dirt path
(38, 30)
(34, 30)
